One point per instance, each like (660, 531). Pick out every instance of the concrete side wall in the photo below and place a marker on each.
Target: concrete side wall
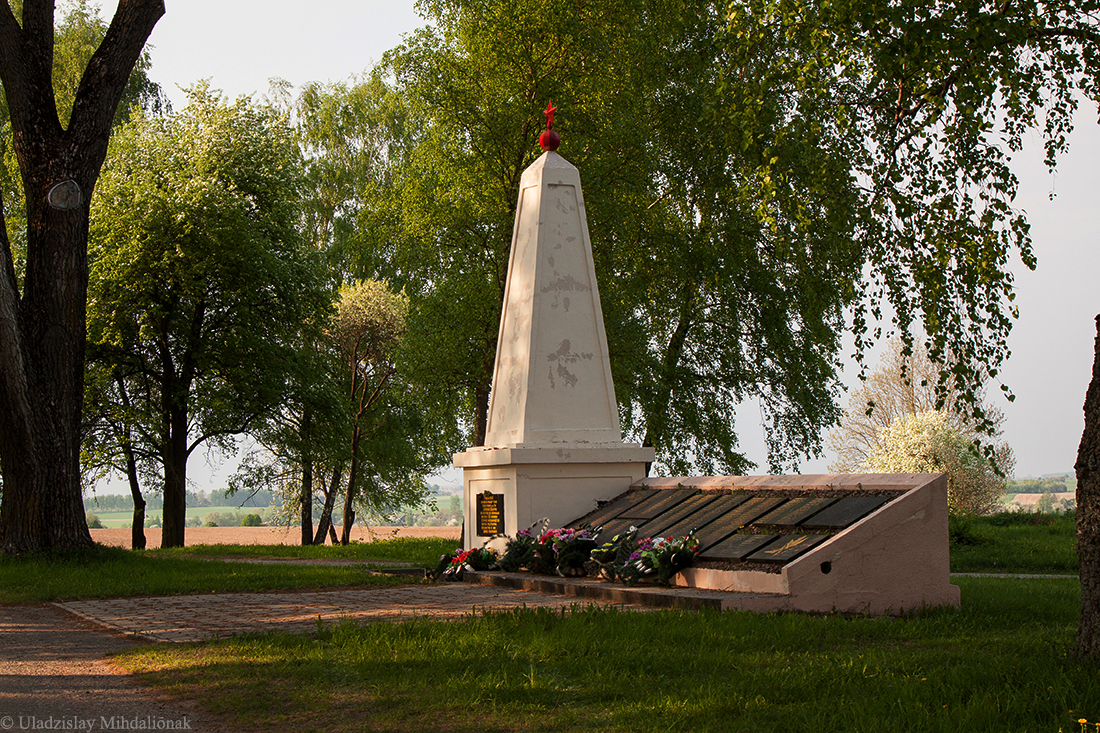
(894, 560)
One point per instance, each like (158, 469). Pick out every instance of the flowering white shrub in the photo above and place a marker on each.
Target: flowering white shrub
(927, 442)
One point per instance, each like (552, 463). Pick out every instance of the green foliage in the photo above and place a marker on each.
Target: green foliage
(723, 276)
(998, 664)
(928, 442)
(77, 33)
(930, 100)
(1050, 485)
(200, 290)
(93, 521)
(252, 520)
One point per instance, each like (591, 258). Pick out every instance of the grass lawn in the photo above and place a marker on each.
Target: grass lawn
(420, 551)
(998, 664)
(1015, 542)
(108, 572)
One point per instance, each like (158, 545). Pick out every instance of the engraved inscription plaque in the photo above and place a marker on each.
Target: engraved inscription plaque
(490, 514)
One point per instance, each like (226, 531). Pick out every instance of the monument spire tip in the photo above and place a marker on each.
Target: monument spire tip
(549, 140)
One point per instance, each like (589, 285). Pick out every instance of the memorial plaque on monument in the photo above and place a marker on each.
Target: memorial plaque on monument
(736, 518)
(794, 512)
(845, 512)
(660, 502)
(490, 514)
(737, 547)
(659, 525)
(787, 548)
(615, 508)
(708, 513)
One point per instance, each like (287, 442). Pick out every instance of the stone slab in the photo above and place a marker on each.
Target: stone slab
(793, 512)
(662, 501)
(845, 512)
(615, 508)
(741, 515)
(617, 526)
(663, 524)
(738, 546)
(709, 512)
(787, 548)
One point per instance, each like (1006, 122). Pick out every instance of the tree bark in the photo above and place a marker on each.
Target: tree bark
(42, 329)
(1088, 517)
(307, 477)
(137, 529)
(325, 523)
(174, 460)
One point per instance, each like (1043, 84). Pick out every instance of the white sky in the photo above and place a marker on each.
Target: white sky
(240, 45)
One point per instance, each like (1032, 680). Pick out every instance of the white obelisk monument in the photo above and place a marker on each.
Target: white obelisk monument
(553, 444)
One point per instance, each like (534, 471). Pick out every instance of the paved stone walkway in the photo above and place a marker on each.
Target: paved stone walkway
(200, 617)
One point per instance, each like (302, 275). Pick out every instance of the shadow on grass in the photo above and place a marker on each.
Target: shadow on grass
(999, 664)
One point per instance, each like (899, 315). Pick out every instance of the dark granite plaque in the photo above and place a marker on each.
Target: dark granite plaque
(659, 525)
(787, 548)
(794, 512)
(737, 547)
(705, 515)
(615, 508)
(617, 526)
(660, 502)
(735, 519)
(845, 512)
(490, 514)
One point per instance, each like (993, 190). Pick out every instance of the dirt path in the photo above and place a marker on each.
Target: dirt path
(54, 676)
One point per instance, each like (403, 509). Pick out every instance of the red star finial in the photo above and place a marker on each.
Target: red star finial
(549, 140)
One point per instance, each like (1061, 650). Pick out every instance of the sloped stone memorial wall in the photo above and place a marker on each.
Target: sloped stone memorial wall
(868, 543)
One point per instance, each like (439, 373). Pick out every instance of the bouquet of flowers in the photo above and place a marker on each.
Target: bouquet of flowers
(451, 567)
(659, 558)
(571, 549)
(614, 554)
(519, 553)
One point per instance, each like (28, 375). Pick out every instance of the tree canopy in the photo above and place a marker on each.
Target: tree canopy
(904, 385)
(200, 286)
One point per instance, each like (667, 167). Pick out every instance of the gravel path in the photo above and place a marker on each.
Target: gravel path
(54, 675)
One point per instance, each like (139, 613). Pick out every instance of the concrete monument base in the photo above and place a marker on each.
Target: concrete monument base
(507, 489)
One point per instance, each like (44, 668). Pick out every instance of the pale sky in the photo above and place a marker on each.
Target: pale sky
(240, 45)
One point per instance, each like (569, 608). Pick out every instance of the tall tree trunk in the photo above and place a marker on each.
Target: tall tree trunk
(325, 523)
(174, 459)
(307, 476)
(353, 476)
(137, 529)
(481, 411)
(42, 329)
(1088, 517)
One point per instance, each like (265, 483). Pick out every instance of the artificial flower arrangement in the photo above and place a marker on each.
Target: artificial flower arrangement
(451, 567)
(659, 558)
(574, 552)
(572, 548)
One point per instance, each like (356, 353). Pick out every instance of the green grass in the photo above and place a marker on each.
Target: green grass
(108, 572)
(1014, 543)
(999, 664)
(419, 551)
(115, 520)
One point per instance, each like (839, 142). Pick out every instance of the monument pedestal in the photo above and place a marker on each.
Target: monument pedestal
(527, 483)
